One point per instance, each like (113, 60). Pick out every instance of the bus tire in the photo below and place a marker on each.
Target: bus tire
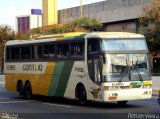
(28, 91)
(81, 95)
(122, 103)
(20, 89)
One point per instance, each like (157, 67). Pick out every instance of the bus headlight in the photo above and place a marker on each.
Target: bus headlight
(147, 86)
(106, 88)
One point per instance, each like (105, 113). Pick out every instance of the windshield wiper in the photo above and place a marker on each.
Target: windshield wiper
(124, 72)
(135, 68)
(128, 71)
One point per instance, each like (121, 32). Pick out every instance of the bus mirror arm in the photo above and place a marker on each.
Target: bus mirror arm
(101, 61)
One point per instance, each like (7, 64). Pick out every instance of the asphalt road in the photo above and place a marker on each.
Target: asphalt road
(11, 106)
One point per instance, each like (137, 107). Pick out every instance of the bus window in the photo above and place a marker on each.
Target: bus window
(15, 53)
(63, 50)
(33, 52)
(8, 53)
(93, 45)
(25, 52)
(49, 51)
(40, 52)
(59, 51)
(77, 49)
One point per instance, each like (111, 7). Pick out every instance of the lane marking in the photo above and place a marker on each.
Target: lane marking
(8, 102)
(1, 98)
(57, 105)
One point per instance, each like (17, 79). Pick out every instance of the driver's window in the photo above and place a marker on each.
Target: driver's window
(93, 45)
(97, 71)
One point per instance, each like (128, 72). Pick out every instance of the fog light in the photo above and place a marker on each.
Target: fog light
(147, 93)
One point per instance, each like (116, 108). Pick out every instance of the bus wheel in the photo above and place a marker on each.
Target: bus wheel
(20, 89)
(28, 91)
(81, 95)
(122, 103)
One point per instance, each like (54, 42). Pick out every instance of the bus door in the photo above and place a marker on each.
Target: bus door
(95, 74)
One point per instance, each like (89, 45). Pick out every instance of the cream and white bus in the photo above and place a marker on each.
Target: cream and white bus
(99, 66)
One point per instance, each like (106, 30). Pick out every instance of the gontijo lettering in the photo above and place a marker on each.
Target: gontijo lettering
(32, 67)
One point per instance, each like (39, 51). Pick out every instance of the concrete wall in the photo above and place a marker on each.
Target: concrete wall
(125, 26)
(106, 11)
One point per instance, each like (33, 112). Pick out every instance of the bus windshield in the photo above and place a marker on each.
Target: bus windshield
(125, 67)
(123, 44)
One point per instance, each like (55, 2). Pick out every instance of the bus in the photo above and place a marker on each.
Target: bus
(98, 66)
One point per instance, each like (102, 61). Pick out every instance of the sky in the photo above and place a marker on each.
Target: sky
(9, 9)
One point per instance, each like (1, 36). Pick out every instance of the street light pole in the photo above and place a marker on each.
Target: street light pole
(81, 12)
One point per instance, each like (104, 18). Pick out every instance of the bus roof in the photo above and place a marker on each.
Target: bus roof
(65, 35)
(50, 38)
(76, 36)
(113, 35)
(20, 42)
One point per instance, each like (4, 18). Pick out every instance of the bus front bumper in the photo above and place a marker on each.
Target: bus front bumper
(124, 95)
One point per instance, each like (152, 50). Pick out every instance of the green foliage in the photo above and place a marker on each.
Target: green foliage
(82, 24)
(6, 34)
(23, 36)
(56, 29)
(151, 19)
(85, 24)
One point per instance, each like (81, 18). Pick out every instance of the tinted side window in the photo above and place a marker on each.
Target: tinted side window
(33, 51)
(93, 45)
(25, 52)
(77, 49)
(49, 51)
(8, 53)
(15, 53)
(40, 51)
(63, 50)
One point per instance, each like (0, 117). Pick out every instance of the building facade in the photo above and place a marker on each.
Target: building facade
(116, 15)
(50, 12)
(26, 22)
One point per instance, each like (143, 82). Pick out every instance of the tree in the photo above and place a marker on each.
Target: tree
(85, 24)
(6, 34)
(23, 36)
(82, 24)
(151, 19)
